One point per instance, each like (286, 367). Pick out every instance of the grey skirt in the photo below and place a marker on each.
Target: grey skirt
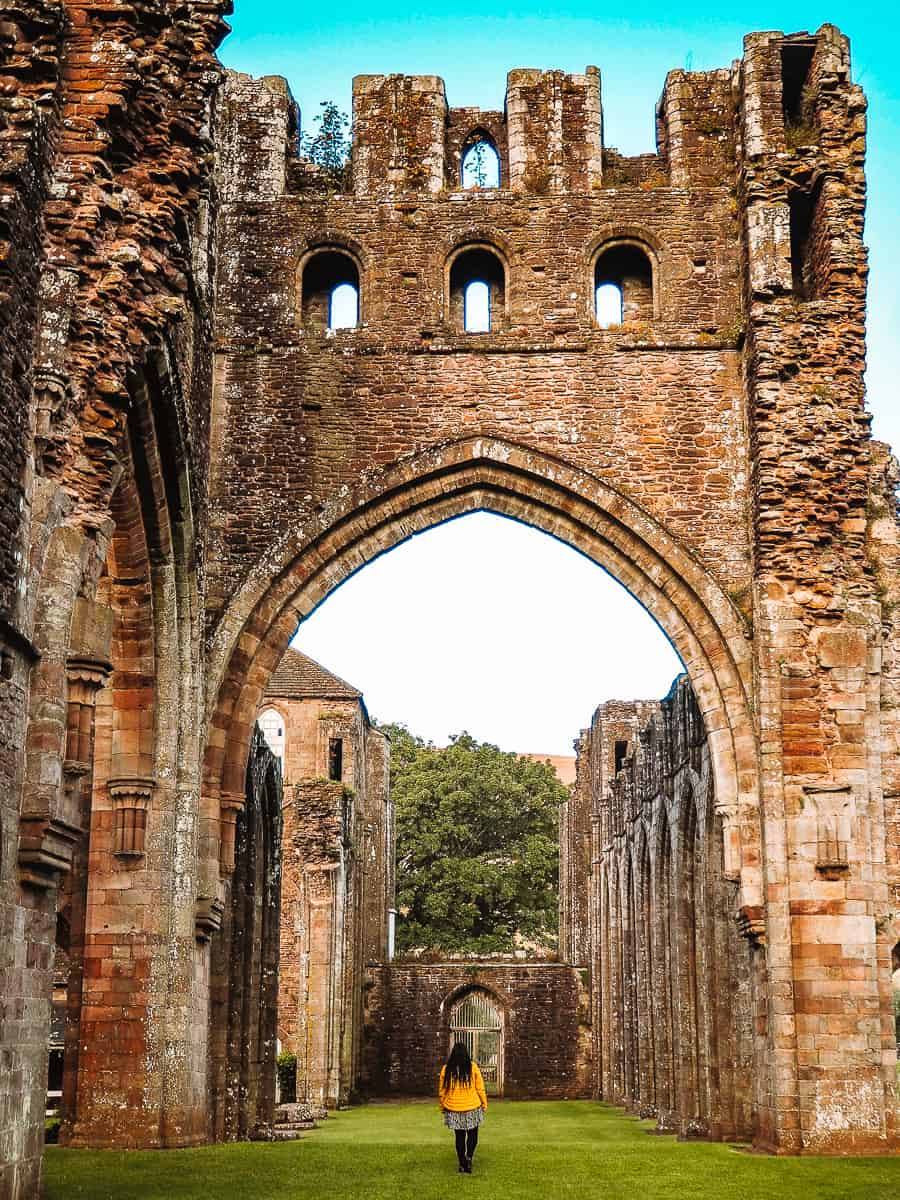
(470, 1119)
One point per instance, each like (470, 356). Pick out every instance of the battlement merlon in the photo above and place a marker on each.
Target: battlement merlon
(549, 136)
(258, 123)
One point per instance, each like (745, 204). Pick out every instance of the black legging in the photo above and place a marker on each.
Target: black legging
(466, 1141)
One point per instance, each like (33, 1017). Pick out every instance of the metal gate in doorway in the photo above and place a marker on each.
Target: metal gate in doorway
(477, 1022)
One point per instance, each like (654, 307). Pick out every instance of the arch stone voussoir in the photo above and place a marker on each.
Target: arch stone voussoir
(485, 474)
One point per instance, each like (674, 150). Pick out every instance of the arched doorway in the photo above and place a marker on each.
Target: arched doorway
(476, 1021)
(704, 625)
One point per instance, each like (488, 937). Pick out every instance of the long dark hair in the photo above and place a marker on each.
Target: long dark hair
(458, 1068)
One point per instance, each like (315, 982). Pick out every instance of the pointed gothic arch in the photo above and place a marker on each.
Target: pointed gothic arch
(389, 506)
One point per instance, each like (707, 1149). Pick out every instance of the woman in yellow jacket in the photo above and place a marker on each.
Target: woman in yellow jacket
(463, 1102)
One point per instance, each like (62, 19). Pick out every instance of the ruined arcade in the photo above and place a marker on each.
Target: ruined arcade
(194, 455)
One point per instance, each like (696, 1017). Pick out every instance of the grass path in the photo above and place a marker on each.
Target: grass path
(528, 1151)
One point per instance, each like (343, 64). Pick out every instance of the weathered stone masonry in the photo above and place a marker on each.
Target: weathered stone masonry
(338, 878)
(544, 1015)
(672, 1000)
(712, 451)
(105, 336)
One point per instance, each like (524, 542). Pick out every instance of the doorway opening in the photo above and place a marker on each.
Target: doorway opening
(476, 1021)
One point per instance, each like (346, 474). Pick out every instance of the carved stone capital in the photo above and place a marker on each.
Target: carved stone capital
(46, 846)
(208, 913)
(90, 673)
(233, 802)
(751, 921)
(131, 798)
(230, 804)
(135, 791)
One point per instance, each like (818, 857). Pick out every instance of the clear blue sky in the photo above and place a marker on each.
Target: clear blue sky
(472, 46)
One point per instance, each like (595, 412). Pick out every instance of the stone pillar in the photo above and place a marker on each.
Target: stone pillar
(26, 947)
(321, 1017)
(86, 677)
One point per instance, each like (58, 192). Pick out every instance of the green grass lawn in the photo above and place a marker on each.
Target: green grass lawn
(540, 1150)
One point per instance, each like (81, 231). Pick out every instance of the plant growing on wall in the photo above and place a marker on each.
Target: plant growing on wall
(476, 159)
(477, 846)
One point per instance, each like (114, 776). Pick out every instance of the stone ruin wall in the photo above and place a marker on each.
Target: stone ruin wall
(546, 1026)
(245, 964)
(657, 410)
(104, 125)
(595, 765)
(823, 628)
(731, 413)
(673, 999)
(337, 891)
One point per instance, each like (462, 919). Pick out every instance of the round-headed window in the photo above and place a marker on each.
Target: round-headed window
(477, 291)
(330, 291)
(623, 285)
(271, 722)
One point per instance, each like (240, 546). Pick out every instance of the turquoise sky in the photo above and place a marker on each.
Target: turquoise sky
(320, 47)
(525, 637)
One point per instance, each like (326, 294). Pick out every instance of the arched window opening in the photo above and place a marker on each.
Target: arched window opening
(620, 754)
(623, 286)
(480, 167)
(271, 723)
(330, 291)
(476, 1021)
(477, 291)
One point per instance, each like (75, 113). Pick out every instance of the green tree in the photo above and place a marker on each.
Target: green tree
(329, 146)
(477, 846)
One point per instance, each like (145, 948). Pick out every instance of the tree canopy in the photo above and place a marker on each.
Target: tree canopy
(477, 846)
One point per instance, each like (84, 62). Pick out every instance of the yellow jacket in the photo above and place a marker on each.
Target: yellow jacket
(462, 1097)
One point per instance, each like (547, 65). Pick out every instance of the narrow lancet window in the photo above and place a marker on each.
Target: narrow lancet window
(609, 305)
(336, 759)
(477, 303)
(344, 308)
(480, 163)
